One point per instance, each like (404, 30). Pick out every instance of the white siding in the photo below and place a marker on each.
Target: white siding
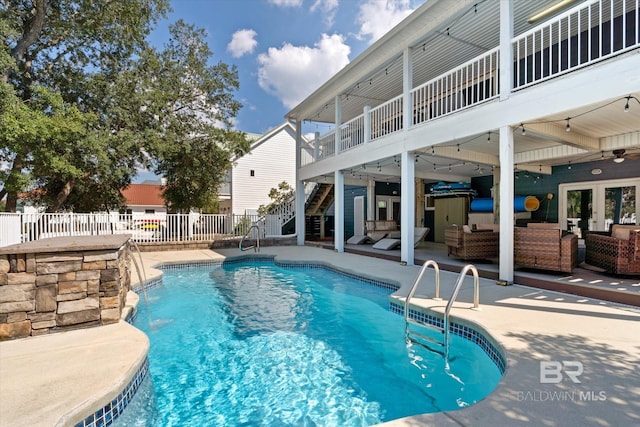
(273, 161)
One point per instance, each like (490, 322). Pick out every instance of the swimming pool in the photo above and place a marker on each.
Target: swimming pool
(257, 344)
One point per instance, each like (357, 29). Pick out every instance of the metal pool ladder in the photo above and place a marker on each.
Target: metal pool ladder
(454, 295)
(256, 247)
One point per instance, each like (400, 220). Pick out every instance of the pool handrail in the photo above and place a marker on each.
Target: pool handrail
(256, 247)
(454, 295)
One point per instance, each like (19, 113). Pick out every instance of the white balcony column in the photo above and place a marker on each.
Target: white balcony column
(506, 190)
(407, 85)
(506, 50)
(407, 206)
(338, 102)
(338, 225)
(316, 146)
(366, 123)
(300, 197)
(371, 200)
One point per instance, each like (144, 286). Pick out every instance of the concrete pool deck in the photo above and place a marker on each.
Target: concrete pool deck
(532, 325)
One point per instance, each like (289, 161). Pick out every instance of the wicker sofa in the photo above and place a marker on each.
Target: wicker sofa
(545, 247)
(462, 242)
(616, 251)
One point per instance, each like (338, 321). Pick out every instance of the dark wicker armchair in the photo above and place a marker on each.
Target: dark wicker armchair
(545, 249)
(617, 251)
(478, 244)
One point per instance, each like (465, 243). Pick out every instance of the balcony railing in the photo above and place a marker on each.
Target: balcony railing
(471, 83)
(352, 133)
(590, 32)
(386, 118)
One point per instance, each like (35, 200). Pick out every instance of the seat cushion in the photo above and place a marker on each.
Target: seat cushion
(622, 231)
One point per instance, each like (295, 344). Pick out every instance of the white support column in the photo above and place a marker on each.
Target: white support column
(338, 102)
(371, 200)
(316, 146)
(407, 85)
(506, 204)
(407, 207)
(338, 225)
(367, 123)
(300, 201)
(506, 51)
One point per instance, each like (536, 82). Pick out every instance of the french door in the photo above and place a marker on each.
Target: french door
(388, 208)
(596, 205)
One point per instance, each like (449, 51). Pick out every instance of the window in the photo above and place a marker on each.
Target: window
(149, 211)
(252, 173)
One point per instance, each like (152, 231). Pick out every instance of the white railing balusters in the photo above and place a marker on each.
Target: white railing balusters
(25, 227)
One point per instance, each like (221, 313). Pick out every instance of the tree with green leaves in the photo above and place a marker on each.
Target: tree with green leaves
(278, 195)
(91, 102)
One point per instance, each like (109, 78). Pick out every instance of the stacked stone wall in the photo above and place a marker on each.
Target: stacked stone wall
(42, 293)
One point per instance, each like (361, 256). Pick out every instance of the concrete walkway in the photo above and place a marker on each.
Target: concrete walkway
(532, 326)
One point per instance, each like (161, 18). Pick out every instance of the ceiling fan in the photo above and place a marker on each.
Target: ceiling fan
(621, 154)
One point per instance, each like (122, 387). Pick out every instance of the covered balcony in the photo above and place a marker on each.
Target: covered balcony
(462, 91)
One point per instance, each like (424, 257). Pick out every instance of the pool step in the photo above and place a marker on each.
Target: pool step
(428, 343)
(432, 343)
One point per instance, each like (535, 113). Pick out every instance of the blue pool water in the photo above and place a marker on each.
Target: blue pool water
(254, 344)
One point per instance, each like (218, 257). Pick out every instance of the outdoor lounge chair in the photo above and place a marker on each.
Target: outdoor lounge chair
(545, 248)
(467, 244)
(388, 243)
(616, 251)
(370, 237)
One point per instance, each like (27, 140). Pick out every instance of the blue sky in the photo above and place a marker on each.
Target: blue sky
(283, 49)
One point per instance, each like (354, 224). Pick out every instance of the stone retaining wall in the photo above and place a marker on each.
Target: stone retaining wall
(69, 288)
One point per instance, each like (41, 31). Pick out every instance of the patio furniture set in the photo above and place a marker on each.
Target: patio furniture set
(545, 246)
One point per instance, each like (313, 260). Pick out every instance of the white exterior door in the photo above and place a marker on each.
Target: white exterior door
(595, 205)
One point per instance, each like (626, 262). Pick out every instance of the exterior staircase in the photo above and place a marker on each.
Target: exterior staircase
(318, 200)
(318, 203)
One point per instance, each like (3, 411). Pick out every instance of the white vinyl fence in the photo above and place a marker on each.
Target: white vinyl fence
(23, 227)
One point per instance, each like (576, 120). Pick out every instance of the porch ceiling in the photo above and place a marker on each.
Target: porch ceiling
(439, 45)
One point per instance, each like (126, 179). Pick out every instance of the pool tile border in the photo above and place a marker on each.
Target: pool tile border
(464, 331)
(459, 329)
(106, 415)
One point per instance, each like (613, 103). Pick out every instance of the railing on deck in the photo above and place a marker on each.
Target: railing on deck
(587, 33)
(576, 38)
(327, 145)
(26, 227)
(467, 85)
(386, 118)
(352, 133)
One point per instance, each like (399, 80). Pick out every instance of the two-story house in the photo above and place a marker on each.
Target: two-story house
(510, 96)
(270, 160)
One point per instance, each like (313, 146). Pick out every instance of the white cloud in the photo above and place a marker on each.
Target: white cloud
(242, 42)
(377, 17)
(286, 3)
(291, 73)
(328, 8)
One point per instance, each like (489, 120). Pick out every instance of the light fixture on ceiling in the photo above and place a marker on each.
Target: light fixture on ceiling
(548, 11)
(629, 98)
(619, 156)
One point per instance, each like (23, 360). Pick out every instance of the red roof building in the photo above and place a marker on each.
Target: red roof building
(144, 198)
